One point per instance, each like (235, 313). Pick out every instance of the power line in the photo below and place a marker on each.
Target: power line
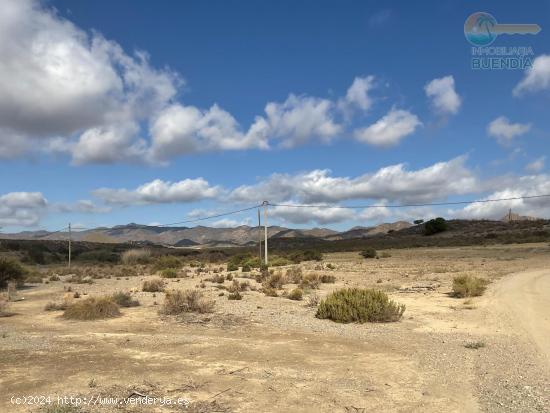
(479, 201)
(189, 221)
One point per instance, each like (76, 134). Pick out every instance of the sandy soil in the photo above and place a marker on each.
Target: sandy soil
(270, 354)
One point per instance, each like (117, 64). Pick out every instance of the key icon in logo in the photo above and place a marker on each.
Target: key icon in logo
(481, 29)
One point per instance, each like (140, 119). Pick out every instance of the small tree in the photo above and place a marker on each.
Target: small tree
(10, 269)
(418, 221)
(434, 226)
(369, 253)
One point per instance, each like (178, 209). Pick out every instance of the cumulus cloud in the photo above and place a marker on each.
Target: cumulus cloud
(390, 129)
(22, 208)
(160, 192)
(318, 215)
(301, 118)
(537, 165)
(59, 82)
(358, 94)
(443, 95)
(182, 129)
(82, 206)
(505, 131)
(536, 78)
(522, 186)
(395, 183)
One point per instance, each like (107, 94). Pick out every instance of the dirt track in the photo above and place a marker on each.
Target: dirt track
(525, 298)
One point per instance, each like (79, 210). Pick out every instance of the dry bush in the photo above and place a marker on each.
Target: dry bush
(124, 299)
(166, 261)
(55, 277)
(369, 253)
(359, 305)
(218, 278)
(312, 300)
(136, 256)
(79, 279)
(186, 301)
(275, 280)
(53, 306)
(328, 279)
(474, 345)
(270, 292)
(294, 275)
(34, 278)
(92, 308)
(237, 286)
(296, 294)
(235, 296)
(169, 273)
(469, 286)
(310, 281)
(153, 285)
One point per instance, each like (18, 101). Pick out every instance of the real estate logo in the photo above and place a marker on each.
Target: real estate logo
(481, 29)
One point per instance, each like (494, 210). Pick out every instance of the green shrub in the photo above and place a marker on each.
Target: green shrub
(306, 255)
(246, 268)
(469, 286)
(154, 285)
(277, 261)
(232, 266)
(10, 269)
(434, 226)
(98, 256)
(296, 294)
(369, 253)
(92, 308)
(328, 279)
(359, 305)
(124, 299)
(169, 273)
(166, 261)
(186, 301)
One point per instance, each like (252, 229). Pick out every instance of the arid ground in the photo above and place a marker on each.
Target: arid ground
(271, 354)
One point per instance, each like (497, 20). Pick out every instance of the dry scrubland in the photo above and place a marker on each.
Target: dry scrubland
(446, 338)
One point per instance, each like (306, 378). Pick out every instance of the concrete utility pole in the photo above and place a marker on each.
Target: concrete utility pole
(265, 235)
(260, 234)
(69, 245)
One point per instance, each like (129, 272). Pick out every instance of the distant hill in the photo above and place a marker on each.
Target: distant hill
(200, 235)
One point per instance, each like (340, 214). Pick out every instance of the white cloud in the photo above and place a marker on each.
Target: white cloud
(504, 131)
(230, 223)
(301, 118)
(394, 183)
(522, 186)
(22, 208)
(158, 192)
(358, 94)
(443, 95)
(390, 129)
(536, 78)
(318, 215)
(182, 129)
(537, 165)
(57, 81)
(83, 206)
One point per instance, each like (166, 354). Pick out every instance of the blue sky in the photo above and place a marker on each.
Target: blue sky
(84, 110)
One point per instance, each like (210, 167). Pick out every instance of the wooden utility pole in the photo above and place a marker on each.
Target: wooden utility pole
(265, 234)
(69, 245)
(260, 234)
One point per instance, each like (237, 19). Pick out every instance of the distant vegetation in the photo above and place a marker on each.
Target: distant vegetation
(359, 305)
(434, 226)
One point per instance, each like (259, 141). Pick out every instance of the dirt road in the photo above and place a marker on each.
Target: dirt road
(525, 299)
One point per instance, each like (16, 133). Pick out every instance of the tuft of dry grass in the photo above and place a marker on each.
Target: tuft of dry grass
(310, 281)
(186, 301)
(124, 299)
(312, 300)
(270, 292)
(469, 286)
(154, 285)
(275, 280)
(92, 308)
(294, 275)
(4, 304)
(53, 306)
(136, 256)
(328, 279)
(296, 294)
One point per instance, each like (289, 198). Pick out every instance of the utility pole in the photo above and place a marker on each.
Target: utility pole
(260, 234)
(69, 245)
(265, 203)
